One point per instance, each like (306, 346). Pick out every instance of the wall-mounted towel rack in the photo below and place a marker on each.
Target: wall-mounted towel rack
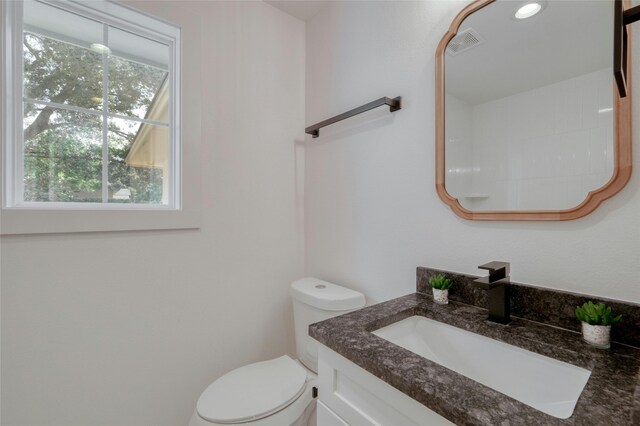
(394, 105)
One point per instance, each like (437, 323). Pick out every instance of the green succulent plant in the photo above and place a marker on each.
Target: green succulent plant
(596, 314)
(440, 282)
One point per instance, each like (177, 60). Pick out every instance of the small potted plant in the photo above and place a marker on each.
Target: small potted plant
(440, 285)
(597, 320)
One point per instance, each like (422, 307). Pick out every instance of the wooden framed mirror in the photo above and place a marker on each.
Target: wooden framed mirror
(529, 122)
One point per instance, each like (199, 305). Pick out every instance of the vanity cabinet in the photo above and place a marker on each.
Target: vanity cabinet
(367, 375)
(349, 395)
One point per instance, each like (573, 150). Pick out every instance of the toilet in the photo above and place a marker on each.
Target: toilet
(280, 391)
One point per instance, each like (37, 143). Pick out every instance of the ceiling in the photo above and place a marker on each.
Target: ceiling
(565, 40)
(568, 38)
(301, 9)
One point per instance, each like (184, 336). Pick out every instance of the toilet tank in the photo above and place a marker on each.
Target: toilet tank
(316, 300)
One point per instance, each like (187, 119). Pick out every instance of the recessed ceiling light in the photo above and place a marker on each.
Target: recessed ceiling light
(528, 10)
(99, 48)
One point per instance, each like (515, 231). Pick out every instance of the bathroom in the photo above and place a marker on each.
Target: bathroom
(113, 322)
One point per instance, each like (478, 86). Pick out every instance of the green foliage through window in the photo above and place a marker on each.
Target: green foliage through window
(63, 148)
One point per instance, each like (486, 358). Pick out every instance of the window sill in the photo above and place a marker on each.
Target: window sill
(20, 221)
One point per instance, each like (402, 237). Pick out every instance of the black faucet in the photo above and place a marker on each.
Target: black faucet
(497, 286)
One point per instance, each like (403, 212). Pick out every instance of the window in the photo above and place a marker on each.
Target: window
(92, 112)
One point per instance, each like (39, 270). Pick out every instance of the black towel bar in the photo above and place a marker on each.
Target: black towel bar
(394, 105)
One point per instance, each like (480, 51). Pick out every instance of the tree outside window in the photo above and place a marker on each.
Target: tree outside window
(96, 121)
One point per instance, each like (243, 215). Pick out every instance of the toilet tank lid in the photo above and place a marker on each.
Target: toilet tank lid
(325, 295)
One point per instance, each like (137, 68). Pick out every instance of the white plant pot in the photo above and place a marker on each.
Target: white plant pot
(597, 335)
(440, 296)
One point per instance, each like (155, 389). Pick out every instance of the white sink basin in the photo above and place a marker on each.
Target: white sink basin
(543, 383)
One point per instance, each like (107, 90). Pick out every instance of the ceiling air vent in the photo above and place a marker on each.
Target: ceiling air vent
(467, 39)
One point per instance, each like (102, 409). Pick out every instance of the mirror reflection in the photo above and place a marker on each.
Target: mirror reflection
(529, 118)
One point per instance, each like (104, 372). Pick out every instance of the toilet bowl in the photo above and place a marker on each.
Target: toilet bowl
(280, 391)
(269, 393)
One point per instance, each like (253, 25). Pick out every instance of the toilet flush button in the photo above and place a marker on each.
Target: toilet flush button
(321, 286)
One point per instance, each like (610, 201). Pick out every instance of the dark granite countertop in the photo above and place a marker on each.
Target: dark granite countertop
(610, 397)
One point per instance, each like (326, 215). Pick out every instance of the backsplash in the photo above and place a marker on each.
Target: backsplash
(547, 306)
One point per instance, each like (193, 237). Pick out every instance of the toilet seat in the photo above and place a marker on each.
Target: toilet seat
(253, 391)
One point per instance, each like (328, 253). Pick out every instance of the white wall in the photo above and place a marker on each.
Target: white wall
(128, 328)
(372, 213)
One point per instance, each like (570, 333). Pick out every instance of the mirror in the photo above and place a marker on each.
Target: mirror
(529, 123)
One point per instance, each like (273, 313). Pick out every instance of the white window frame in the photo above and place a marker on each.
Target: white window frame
(165, 216)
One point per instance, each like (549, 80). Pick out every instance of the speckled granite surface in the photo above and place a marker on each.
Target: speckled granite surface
(547, 306)
(611, 396)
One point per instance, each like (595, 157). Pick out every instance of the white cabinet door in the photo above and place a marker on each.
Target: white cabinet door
(361, 399)
(326, 417)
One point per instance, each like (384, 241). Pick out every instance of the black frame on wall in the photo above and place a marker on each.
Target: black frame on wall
(622, 18)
